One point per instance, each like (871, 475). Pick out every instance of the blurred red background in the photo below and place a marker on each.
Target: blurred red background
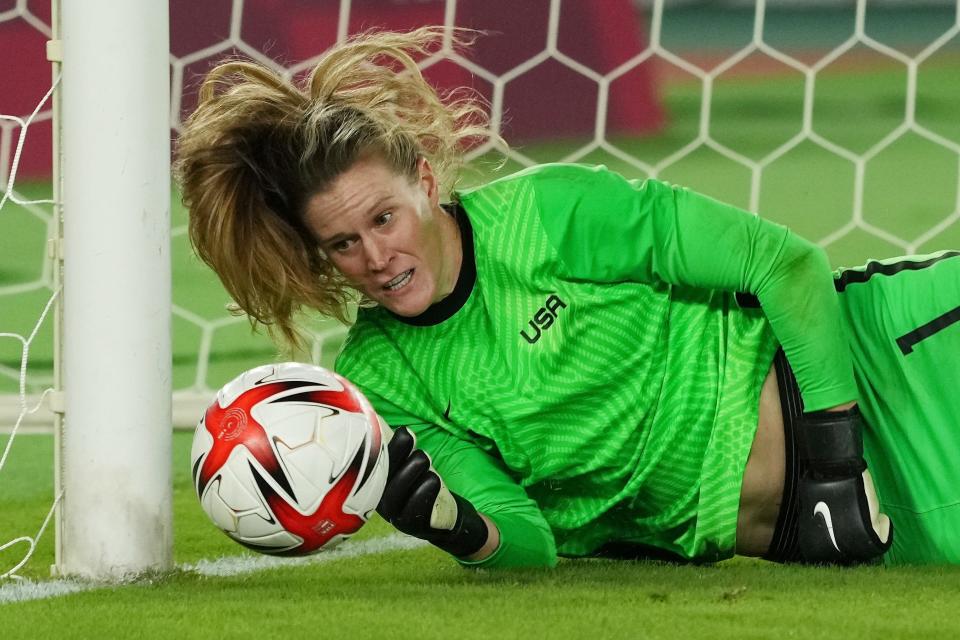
(550, 99)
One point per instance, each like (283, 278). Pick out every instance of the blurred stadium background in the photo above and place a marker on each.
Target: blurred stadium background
(783, 108)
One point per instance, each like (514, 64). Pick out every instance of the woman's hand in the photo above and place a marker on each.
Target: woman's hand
(416, 502)
(840, 521)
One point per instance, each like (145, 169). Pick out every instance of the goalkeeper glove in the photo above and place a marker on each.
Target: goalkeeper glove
(840, 520)
(416, 502)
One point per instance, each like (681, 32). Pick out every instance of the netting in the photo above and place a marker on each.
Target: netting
(717, 83)
(29, 287)
(838, 120)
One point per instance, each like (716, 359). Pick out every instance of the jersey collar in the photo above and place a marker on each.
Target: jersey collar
(440, 311)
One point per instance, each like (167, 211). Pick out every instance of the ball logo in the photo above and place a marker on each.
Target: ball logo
(324, 527)
(233, 424)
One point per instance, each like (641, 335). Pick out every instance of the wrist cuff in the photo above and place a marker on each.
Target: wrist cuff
(831, 442)
(468, 535)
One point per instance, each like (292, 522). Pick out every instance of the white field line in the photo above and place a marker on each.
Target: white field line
(23, 590)
(27, 430)
(237, 565)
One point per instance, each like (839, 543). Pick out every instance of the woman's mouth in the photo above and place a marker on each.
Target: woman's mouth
(400, 281)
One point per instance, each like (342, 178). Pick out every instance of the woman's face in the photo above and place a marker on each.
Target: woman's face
(387, 235)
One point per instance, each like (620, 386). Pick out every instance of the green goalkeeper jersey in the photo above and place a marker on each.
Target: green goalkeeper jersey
(591, 378)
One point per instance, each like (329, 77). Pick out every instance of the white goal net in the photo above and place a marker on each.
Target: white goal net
(708, 68)
(834, 117)
(29, 284)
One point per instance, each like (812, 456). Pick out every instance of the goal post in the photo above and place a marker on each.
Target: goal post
(115, 146)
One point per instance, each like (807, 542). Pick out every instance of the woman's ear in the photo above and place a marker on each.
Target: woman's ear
(427, 180)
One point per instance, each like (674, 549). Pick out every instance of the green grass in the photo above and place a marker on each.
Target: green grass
(422, 594)
(27, 482)
(418, 594)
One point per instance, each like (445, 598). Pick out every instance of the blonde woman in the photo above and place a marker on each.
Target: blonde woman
(571, 360)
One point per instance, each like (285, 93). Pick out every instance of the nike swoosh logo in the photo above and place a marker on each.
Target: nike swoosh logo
(823, 510)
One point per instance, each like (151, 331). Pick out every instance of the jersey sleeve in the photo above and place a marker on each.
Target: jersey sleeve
(609, 229)
(469, 471)
(525, 537)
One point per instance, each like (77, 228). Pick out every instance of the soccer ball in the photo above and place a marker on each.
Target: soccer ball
(289, 459)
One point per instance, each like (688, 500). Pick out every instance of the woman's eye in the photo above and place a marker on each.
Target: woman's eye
(384, 218)
(341, 245)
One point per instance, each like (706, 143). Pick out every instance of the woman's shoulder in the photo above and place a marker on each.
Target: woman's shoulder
(541, 174)
(366, 327)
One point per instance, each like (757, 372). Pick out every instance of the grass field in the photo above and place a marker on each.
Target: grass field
(909, 188)
(419, 593)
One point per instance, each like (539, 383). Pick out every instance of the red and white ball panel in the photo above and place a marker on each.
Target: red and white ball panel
(289, 459)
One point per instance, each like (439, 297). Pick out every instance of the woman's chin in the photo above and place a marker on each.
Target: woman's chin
(408, 305)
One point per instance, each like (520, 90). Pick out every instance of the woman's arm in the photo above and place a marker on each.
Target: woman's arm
(519, 535)
(609, 229)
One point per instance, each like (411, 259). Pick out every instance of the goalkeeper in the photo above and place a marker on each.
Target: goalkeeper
(577, 364)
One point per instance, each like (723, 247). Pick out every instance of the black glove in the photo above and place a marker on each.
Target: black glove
(416, 502)
(840, 521)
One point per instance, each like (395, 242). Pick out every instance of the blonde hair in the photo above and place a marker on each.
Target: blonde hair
(259, 146)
